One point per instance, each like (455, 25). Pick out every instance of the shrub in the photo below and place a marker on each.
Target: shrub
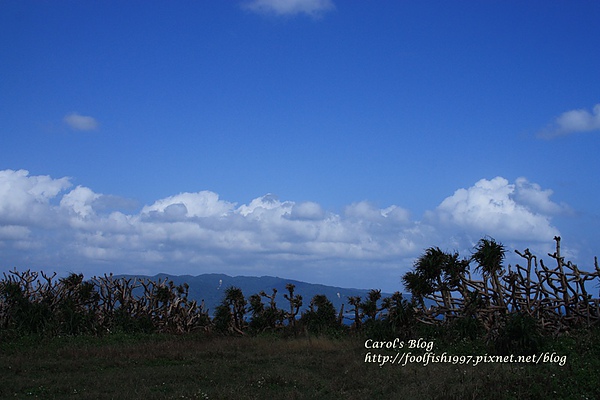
(379, 329)
(124, 321)
(520, 335)
(21, 314)
(321, 316)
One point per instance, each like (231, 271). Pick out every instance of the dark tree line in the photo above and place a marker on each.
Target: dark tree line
(36, 303)
(497, 303)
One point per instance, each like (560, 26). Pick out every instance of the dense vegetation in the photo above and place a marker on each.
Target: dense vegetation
(136, 333)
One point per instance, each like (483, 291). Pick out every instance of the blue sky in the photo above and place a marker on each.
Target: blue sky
(327, 141)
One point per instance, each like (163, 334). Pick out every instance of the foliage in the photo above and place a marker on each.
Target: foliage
(400, 315)
(489, 255)
(229, 315)
(32, 303)
(69, 309)
(464, 328)
(321, 316)
(369, 307)
(125, 322)
(265, 317)
(520, 334)
(222, 320)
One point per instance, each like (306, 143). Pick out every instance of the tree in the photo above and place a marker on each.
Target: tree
(437, 271)
(355, 301)
(265, 317)
(418, 286)
(295, 304)
(454, 271)
(370, 307)
(321, 315)
(229, 315)
(400, 314)
(489, 256)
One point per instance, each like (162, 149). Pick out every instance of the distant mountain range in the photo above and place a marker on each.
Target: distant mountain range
(211, 288)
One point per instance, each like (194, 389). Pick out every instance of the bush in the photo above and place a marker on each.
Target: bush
(124, 321)
(465, 328)
(400, 315)
(321, 317)
(264, 318)
(21, 314)
(519, 335)
(379, 329)
(222, 319)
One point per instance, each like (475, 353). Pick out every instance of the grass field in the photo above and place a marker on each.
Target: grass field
(153, 366)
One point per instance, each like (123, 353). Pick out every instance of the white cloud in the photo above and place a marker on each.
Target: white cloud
(201, 204)
(537, 199)
(26, 199)
(573, 121)
(79, 201)
(260, 205)
(313, 8)
(43, 223)
(80, 122)
(492, 207)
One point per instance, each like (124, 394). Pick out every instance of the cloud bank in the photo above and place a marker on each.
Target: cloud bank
(573, 121)
(46, 221)
(80, 122)
(312, 8)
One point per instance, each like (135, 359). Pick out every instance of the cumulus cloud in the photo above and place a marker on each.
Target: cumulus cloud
(520, 211)
(263, 204)
(573, 121)
(537, 199)
(201, 204)
(80, 122)
(313, 8)
(26, 199)
(43, 221)
(79, 201)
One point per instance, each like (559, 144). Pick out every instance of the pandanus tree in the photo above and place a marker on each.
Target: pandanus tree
(437, 271)
(370, 308)
(265, 316)
(418, 286)
(295, 301)
(454, 271)
(235, 298)
(489, 256)
(355, 301)
(229, 315)
(257, 308)
(400, 313)
(427, 275)
(320, 315)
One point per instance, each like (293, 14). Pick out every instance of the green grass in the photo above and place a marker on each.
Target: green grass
(209, 367)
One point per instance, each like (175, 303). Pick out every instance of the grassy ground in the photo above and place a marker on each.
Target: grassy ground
(200, 367)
